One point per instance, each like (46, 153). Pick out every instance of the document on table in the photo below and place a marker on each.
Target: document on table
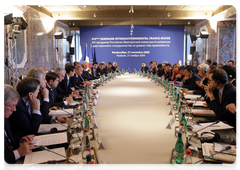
(45, 128)
(44, 156)
(218, 126)
(192, 96)
(58, 113)
(50, 139)
(198, 103)
(203, 112)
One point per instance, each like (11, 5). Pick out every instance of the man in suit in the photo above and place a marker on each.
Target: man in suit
(95, 71)
(232, 75)
(144, 67)
(79, 79)
(14, 147)
(168, 72)
(109, 67)
(190, 78)
(61, 73)
(220, 93)
(43, 96)
(66, 84)
(115, 67)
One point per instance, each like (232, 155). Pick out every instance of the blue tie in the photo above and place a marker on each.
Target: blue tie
(29, 110)
(51, 92)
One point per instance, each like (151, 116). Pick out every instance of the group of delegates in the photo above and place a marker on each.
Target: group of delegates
(28, 106)
(215, 82)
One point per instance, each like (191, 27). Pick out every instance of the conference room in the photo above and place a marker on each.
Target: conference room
(146, 86)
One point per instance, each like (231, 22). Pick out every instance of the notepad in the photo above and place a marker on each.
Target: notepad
(44, 156)
(192, 96)
(45, 128)
(203, 112)
(50, 139)
(58, 113)
(198, 103)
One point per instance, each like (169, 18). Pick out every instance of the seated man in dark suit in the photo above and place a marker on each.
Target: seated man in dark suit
(109, 67)
(86, 75)
(232, 75)
(61, 73)
(43, 96)
(95, 71)
(27, 117)
(14, 147)
(190, 78)
(144, 67)
(66, 84)
(220, 93)
(115, 67)
(79, 79)
(168, 72)
(52, 82)
(102, 69)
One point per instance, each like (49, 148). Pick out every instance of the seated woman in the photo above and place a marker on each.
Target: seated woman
(176, 72)
(27, 117)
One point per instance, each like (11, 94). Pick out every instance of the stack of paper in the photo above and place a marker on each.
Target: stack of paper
(203, 112)
(63, 112)
(192, 96)
(45, 128)
(198, 103)
(45, 156)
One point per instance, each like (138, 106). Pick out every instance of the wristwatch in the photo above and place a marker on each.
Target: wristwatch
(237, 110)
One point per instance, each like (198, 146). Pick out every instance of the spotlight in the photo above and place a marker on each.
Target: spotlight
(69, 39)
(8, 19)
(204, 34)
(193, 38)
(58, 35)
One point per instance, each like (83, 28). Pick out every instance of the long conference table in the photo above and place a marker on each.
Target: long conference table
(132, 115)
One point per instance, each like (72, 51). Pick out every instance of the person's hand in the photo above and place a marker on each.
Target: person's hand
(27, 138)
(25, 148)
(231, 108)
(34, 102)
(62, 119)
(205, 104)
(185, 91)
(209, 91)
(198, 83)
(72, 88)
(54, 108)
(45, 92)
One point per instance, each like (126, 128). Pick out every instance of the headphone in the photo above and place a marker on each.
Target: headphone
(215, 138)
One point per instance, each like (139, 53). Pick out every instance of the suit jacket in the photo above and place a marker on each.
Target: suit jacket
(146, 69)
(228, 96)
(64, 86)
(21, 122)
(236, 83)
(44, 108)
(97, 72)
(54, 100)
(191, 82)
(9, 155)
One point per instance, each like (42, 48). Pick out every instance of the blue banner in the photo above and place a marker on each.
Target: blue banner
(147, 43)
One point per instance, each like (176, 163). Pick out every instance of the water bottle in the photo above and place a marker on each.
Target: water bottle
(179, 150)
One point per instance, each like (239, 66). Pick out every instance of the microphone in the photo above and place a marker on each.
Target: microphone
(195, 101)
(129, 70)
(216, 122)
(46, 149)
(69, 129)
(64, 110)
(224, 149)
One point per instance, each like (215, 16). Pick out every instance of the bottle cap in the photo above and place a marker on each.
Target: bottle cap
(85, 112)
(182, 106)
(181, 124)
(85, 130)
(189, 164)
(180, 97)
(188, 152)
(89, 157)
(91, 164)
(83, 101)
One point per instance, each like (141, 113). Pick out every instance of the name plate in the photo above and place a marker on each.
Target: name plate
(95, 126)
(93, 111)
(103, 165)
(95, 102)
(169, 126)
(170, 112)
(98, 90)
(157, 83)
(103, 84)
(99, 142)
(97, 96)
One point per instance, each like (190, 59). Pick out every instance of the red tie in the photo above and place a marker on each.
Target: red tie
(4, 137)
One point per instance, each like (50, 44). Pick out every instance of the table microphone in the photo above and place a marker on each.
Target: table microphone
(216, 122)
(69, 129)
(49, 150)
(224, 149)
(195, 101)
(129, 70)
(65, 111)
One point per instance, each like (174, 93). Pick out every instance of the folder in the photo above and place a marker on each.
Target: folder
(58, 113)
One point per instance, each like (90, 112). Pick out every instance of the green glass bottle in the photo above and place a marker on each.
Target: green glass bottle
(88, 158)
(179, 150)
(183, 120)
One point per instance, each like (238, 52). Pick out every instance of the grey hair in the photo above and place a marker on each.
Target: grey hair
(36, 72)
(10, 93)
(59, 70)
(203, 67)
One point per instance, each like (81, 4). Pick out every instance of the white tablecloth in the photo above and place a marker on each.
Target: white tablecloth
(132, 115)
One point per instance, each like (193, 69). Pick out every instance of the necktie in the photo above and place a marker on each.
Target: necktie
(8, 142)
(51, 92)
(4, 136)
(29, 110)
(220, 97)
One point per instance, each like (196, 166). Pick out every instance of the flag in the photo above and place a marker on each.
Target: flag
(87, 58)
(94, 59)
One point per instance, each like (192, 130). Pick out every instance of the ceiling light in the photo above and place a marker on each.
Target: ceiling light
(226, 2)
(101, 24)
(131, 10)
(169, 14)
(189, 23)
(94, 15)
(160, 24)
(84, 6)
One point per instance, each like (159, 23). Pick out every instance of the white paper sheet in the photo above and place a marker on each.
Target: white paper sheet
(45, 128)
(44, 156)
(50, 139)
(65, 112)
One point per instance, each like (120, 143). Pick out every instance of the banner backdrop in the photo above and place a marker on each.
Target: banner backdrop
(148, 43)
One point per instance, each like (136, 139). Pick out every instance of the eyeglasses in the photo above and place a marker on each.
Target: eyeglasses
(12, 107)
